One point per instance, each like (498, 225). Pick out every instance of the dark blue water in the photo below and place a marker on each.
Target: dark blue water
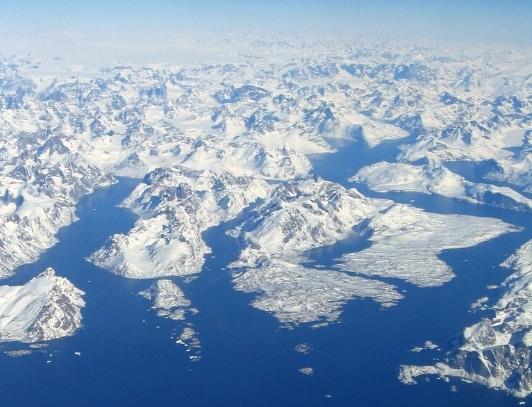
(129, 356)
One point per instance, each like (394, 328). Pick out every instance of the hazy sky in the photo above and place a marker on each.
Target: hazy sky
(468, 20)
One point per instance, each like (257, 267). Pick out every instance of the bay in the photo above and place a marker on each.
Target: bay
(128, 355)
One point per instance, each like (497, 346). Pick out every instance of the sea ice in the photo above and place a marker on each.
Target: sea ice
(406, 241)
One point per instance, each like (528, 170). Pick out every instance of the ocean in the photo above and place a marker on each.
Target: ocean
(128, 355)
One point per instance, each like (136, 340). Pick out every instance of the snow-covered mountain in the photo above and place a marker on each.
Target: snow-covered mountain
(433, 178)
(294, 218)
(301, 215)
(175, 206)
(40, 188)
(46, 307)
(211, 139)
(495, 351)
(257, 119)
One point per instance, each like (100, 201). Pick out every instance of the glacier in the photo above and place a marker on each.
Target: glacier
(406, 241)
(312, 213)
(232, 132)
(295, 294)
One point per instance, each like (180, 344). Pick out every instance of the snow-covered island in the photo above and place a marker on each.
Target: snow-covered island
(495, 351)
(175, 206)
(433, 178)
(168, 299)
(46, 307)
(314, 213)
(170, 302)
(213, 139)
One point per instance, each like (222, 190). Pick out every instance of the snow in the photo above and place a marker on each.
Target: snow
(176, 206)
(168, 299)
(434, 178)
(297, 294)
(406, 241)
(497, 348)
(214, 124)
(46, 307)
(514, 138)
